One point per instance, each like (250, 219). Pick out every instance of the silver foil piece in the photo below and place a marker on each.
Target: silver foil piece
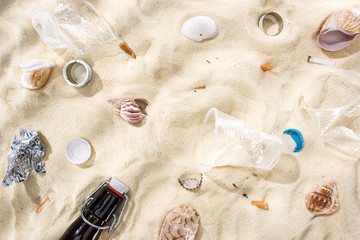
(26, 152)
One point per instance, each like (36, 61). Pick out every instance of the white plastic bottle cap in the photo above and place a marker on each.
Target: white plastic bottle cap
(78, 150)
(118, 186)
(77, 73)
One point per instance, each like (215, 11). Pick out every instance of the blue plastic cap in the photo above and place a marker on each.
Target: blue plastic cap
(297, 136)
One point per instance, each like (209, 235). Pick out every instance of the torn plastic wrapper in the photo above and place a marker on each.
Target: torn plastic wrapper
(75, 24)
(26, 152)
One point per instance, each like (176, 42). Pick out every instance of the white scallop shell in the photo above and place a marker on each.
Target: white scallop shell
(200, 28)
(36, 73)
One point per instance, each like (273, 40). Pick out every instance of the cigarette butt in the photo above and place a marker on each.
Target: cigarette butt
(266, 67)
(200, 87)
(42, 205)
(125, 47)
(320, 61)
(259, 204)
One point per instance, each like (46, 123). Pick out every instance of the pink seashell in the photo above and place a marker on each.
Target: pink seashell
(181, 223)
(131, 110)
(339, 30)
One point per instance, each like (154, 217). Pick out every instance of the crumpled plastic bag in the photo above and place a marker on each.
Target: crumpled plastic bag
(26, 152)
(75, 24)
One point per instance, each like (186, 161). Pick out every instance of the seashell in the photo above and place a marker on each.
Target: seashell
(323, 200)
(200, 28)
(131, 110)
(181, 224)
(339, 30)
(36, 73)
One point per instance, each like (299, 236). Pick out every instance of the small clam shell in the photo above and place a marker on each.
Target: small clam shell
(180, 224)
(339, 30)
(36, 73)
(323, 200)
(131, 110)
(200, 28)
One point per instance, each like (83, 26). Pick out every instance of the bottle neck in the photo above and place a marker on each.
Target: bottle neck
(105, 203)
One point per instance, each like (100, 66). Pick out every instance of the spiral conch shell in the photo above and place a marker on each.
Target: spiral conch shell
(36, 73)
(323, 200)
(200, 28)
(180, 224)
(339, 30)
(131, 110)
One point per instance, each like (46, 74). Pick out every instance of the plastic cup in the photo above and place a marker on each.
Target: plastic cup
(74, 24)
(335, 110)
(228, 141)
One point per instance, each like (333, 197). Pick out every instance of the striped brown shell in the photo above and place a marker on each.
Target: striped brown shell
(131, 110)
(323, 200)
(180, 224)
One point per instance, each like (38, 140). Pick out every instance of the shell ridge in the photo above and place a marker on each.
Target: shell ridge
(177, 224)
(345, 24)
(128, 109)
(323, 200)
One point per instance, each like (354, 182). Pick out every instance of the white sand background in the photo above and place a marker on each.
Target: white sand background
(149, 158)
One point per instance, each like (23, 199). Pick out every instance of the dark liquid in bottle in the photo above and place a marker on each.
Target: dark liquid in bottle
(106, 202)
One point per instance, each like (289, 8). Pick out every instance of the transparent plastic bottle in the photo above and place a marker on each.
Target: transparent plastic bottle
(228, 141)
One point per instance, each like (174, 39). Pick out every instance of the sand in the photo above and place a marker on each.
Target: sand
(150, 157)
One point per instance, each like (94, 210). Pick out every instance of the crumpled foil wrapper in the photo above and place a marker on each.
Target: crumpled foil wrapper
(26, 152)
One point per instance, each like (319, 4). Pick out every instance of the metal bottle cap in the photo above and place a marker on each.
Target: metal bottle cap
(191, 182)
(77, 73)
(272, 17)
